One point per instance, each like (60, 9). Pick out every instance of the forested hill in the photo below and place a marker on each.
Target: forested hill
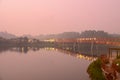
(7, 35)
(61, 35)
(65, 35)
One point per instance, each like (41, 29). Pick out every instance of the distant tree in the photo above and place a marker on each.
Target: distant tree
(69, 35)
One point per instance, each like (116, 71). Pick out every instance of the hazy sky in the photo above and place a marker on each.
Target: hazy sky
(56, 16)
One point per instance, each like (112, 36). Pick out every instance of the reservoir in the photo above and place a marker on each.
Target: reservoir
(42, 64)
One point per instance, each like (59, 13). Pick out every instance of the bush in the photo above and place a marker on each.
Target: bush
(118, 57)
(94, 70)
(116, 65)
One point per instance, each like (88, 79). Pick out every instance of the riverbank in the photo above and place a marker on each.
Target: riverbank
(104, 68)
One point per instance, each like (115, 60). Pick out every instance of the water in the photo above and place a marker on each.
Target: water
(42, 65)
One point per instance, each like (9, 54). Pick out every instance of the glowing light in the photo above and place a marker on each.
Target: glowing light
(95, 39)
(117, 64)
(50, 40)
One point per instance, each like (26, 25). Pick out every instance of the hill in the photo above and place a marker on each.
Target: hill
(7, 35)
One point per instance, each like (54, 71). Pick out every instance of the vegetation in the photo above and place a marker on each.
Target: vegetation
(118, 57)
(94, 70)
(116, 64)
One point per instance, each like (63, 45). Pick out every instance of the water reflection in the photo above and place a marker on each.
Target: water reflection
(27, 49)
(78, 55)
(50, 48)
(90, 58)
(84, 49)
(42, 64)
(1, 78)
(2, 49)
(20, 49)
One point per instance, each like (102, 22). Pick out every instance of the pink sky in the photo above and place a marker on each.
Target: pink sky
(56, 16)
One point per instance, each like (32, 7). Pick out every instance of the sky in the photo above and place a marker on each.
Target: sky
(56, 16)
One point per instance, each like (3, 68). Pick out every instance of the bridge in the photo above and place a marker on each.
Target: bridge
(108, 41)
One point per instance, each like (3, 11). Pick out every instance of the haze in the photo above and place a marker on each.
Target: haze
(55, 16)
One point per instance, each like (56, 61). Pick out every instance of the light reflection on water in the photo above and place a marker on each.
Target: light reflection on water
(78, 55)
(43, 64)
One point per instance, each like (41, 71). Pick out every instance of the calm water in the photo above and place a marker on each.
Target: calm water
(42, 65)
